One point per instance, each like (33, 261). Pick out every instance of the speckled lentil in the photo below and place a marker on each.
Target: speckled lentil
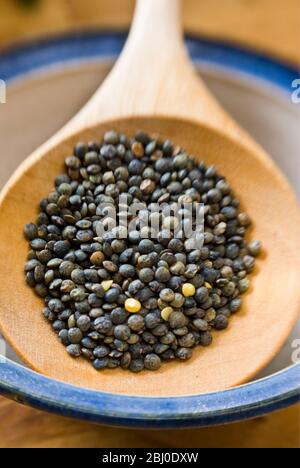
(137, 301)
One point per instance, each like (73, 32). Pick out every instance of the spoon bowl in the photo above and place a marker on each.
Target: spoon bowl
(156, 89)
(255, 334)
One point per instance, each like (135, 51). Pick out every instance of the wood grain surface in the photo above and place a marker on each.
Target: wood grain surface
(270, 25)
(22, 427)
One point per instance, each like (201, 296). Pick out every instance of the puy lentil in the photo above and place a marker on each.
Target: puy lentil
(183, 353)
(205, 339)
(178, 320)
(180, 331)
(187, 341)
(255, 248)
(74, 350)
(152, 320)
(137, 365)
(30, 231)
(84, 323)
(235, 305)
(201, 325)
(75, 335)
(221, 322)
(99, 364)
(135, 299)
(122, 332)
(152, 362)
(136, 323)
(118, 316)
(167, 295)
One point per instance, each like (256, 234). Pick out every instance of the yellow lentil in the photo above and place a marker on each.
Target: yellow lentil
(188, 290)
(166, 312)
(106, 285)
(133, 306)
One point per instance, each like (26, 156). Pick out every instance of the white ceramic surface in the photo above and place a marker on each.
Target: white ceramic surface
(39, 105)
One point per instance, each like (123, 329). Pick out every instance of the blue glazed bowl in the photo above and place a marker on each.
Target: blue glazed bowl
(226, 69)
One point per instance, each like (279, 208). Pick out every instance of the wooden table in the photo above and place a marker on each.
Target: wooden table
(25, 427)
(268, 25)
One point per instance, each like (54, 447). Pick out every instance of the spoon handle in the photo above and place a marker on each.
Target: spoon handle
(156, 33)
(155, 77)
(151, 71)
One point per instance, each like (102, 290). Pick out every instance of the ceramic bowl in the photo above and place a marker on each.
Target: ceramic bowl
(47, 82)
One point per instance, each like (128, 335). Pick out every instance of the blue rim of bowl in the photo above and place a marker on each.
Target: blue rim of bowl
(19, 60)
(247, 401)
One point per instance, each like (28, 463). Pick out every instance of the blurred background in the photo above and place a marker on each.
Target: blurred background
(269, 26)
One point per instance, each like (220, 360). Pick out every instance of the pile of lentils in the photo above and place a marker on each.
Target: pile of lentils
(137, 302)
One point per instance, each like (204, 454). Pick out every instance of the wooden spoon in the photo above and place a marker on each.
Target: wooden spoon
(154, 87)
